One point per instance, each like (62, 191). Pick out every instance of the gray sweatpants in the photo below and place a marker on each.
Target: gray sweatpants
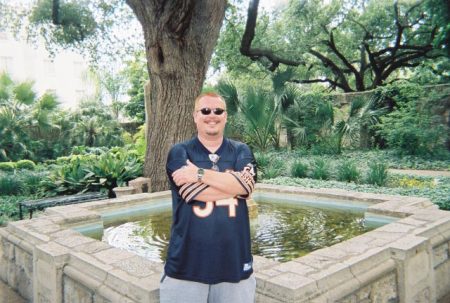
(181, 291)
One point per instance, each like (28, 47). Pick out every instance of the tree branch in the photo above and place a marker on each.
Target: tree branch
(334, 68)
(326, 80)
(359, 80)
(56, 17)
(257, 53)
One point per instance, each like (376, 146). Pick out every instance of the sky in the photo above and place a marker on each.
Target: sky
(267, 5)
(273, 4)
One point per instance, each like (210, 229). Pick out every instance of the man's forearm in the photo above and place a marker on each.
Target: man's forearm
(212, 194)
(223, 182)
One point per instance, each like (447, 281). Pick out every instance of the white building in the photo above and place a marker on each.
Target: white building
(65, 74)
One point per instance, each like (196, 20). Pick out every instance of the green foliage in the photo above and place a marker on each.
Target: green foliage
(94, 126)
(348, 172)
(308, 117)
(7, 166)
(262, 160)
(10, 184)
(348, 45)
(438, 194)
(275, 169)
(74, 21)
(299, 169)
(414, 128)
(230, 93)
(320, 170)
(326, 145)
(137, 75)
(140, 142)
(31, 181)
(256, 110)
(115, 169)
(377, 174)
(406, 181)
(269, 165)
(25, 164)
(9, 208)
(76, 173)
(13, 122)
(69, 178)
(363, 114)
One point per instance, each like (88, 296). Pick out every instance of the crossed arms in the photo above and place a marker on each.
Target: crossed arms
(215, 185)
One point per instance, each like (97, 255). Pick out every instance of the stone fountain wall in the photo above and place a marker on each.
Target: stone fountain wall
(45, 260)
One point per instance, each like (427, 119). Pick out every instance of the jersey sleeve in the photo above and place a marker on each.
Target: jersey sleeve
(245, 170)
(175, 160)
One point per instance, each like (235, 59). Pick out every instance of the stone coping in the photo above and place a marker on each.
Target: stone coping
(330, 272)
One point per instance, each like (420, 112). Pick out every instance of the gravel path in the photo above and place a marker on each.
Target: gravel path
(424, 173)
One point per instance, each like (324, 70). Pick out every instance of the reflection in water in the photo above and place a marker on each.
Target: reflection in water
(280, 232)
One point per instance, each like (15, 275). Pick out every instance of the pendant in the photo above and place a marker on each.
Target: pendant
(214, 159)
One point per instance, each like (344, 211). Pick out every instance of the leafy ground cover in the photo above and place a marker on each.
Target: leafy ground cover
(438, 190)
(360, 168)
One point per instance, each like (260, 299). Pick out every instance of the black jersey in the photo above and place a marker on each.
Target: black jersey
(210, 242)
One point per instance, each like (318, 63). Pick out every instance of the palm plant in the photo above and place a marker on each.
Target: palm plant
(255, 110)
(362, 115)
(13, 121)
(93, 125)
(308, 118)
(261, 110)
(25, 120)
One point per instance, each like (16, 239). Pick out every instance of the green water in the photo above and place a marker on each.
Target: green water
(280, 232)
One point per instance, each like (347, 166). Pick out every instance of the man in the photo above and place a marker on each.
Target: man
(209, 257)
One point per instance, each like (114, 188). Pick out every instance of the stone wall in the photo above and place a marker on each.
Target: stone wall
(406, 261)
(16, 265)
(381, 290)
(441, 265)
(341, 99)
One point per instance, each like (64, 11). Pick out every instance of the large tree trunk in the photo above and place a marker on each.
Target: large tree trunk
(180, 36)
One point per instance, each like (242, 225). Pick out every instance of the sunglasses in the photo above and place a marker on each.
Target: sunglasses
(206, 111)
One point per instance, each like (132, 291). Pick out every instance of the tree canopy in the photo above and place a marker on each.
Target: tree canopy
(347, 44)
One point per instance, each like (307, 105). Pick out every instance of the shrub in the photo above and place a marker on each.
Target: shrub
(262, 160)
(377, 174)
(274, 169)
(9, 209)
(25, 164)
(114, 169)
(69, 178)
(328, 145)
(320, 170)
(299, 169)
(63, 160)
(348, 172)
(7, 166)
(10, 184)
(32, 181)
(415, 127)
